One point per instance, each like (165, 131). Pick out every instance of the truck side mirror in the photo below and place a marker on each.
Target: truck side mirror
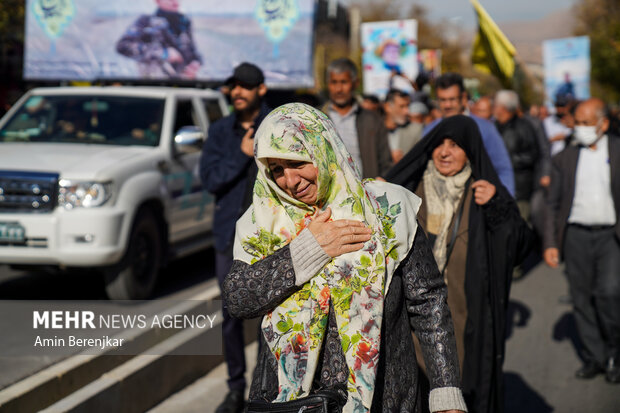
(189, 139)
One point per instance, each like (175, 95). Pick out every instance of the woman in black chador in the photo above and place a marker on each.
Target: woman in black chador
(478, 237)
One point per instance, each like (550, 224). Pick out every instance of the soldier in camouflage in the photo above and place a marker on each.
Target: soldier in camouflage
(162, 43)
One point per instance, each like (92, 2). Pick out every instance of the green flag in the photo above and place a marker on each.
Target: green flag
(492, 53)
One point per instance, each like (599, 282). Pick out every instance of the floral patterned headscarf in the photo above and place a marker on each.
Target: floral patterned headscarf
(355, 283)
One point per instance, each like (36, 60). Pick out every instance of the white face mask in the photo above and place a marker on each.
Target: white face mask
(586, 135)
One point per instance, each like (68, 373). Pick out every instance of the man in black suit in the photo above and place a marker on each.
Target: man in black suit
(583, 224)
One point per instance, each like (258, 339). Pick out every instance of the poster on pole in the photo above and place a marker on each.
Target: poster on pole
(429, 61)
(567, 69)
(389, 55)
(199, 40)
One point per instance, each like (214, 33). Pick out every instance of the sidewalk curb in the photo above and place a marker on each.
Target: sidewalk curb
(143, 381)
(51, 384)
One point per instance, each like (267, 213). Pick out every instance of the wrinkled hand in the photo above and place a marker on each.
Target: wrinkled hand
(340, 236)
(483, 191)
(552, 257)
(247, 142)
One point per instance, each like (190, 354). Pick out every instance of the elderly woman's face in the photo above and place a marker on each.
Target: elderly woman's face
(296, 178)
(449, 158)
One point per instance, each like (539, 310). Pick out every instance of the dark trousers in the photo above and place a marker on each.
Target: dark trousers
(232, 330)
(592, 259)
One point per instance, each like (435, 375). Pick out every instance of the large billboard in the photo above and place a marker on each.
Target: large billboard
(389, 55)
(169, 39)
(567, 68)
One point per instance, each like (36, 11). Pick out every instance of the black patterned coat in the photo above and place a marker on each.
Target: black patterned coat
(415, 300)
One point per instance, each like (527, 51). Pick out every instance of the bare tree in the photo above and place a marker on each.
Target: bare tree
(600, 20)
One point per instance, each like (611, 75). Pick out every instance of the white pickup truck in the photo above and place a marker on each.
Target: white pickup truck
(106, 178)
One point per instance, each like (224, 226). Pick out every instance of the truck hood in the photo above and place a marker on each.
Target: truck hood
(77, 161)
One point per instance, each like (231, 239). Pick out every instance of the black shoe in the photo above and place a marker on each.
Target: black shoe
(612, 372)
(588, 370)
(233, 403)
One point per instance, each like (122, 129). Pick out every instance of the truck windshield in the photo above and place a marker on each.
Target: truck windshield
(111, 120)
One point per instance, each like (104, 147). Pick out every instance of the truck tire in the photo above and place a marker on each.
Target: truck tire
(135, 276)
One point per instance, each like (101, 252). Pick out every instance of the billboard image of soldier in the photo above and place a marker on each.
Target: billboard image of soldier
(162, 43)
(567, 69)
(169, 40)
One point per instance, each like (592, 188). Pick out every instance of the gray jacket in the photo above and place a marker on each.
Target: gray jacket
(374, 147)
(372, 136)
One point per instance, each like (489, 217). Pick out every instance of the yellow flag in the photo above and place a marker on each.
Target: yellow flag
(492, 53)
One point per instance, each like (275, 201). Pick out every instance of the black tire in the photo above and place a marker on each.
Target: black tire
(135, 276)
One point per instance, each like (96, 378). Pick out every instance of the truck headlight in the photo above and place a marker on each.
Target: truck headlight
(75, 194)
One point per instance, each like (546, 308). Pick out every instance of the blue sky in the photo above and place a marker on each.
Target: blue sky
(500, 10)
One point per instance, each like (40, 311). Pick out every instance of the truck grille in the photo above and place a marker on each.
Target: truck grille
(28, 191)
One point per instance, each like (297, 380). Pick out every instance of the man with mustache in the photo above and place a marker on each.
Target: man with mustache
(362, 131)
(228, 170)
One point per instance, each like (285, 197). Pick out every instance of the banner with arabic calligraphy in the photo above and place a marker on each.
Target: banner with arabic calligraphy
(169, 39)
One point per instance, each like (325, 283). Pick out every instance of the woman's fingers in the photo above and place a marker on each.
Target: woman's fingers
(323, 216)
(341, 236)
(355, 238)
(348, 234)
(348, 223)
(344, 249)
(483, 191)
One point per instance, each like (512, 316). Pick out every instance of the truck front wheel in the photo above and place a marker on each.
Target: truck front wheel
(135, 276)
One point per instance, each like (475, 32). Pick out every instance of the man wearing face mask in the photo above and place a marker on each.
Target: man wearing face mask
(583, 227)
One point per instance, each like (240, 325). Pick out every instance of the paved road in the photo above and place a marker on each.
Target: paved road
(179, 275)
(181, 279)
(540, 363)
(541, 352)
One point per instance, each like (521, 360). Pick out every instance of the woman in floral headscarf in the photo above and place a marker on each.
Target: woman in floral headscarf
(340, 275)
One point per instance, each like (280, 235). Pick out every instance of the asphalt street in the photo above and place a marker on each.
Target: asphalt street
(179, 280)
(542, 352)
(541, 348)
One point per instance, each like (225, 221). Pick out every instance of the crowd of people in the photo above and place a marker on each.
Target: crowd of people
(378, 239)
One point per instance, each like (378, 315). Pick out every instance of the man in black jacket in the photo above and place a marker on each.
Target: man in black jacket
(228, 170)
(584, 226)
(520, 140)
